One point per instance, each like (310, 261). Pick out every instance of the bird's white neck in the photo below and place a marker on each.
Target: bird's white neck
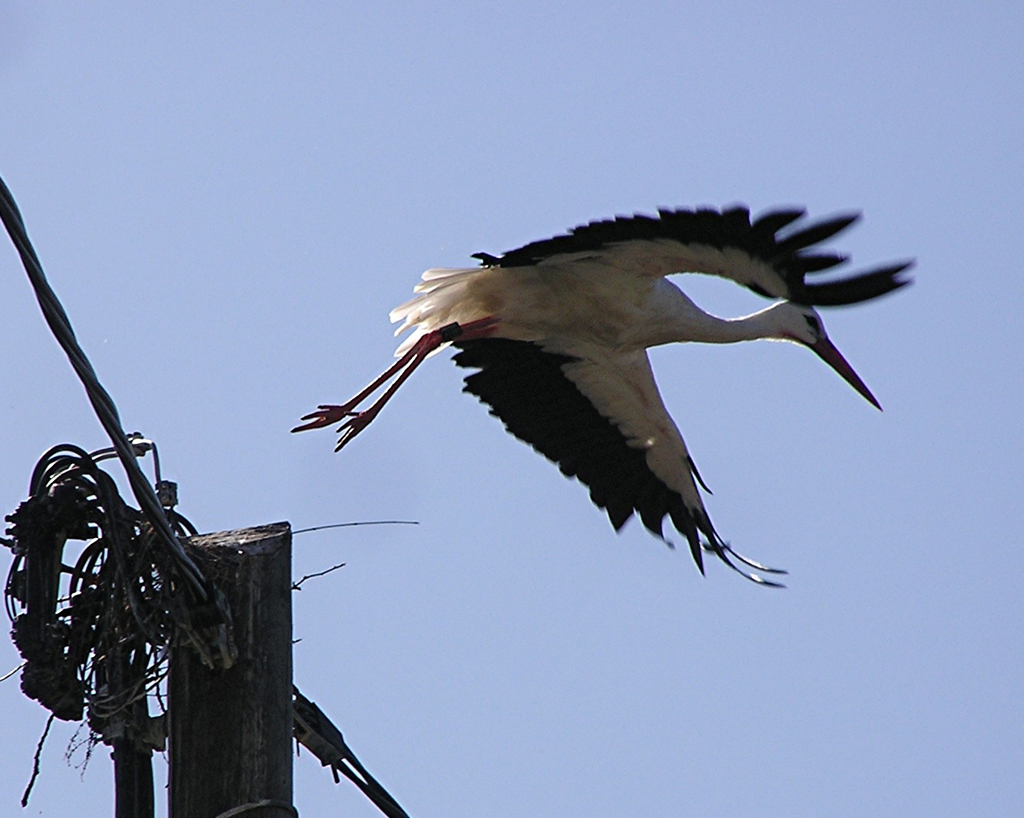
(761, 324)
(685, 321)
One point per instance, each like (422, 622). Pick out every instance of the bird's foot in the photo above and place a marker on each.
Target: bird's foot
(326, 414)
(356, 422)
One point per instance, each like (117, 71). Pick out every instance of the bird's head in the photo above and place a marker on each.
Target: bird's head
(803, 325)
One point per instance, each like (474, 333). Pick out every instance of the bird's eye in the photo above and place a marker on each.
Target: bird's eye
(813, 323)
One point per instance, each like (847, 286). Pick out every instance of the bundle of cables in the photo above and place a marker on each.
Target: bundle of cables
(94, 622)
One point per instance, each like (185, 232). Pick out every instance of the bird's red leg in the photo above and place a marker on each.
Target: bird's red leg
(329, 414)
(360, 420)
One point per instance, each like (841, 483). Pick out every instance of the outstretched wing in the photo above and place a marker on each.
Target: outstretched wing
(602, 421)
(771, 255)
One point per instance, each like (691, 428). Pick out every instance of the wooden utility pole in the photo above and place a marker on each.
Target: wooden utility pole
(230, 732)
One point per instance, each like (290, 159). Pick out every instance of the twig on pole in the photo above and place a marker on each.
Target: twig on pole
(297, 586)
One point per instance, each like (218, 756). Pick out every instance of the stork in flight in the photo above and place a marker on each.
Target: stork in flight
(559, 329)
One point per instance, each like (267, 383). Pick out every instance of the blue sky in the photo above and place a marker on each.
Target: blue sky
(229, 199)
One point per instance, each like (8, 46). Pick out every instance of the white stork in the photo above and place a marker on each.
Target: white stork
(559, 329)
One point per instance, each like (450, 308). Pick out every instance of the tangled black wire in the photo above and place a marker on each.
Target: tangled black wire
(196, 586)
(93, 627)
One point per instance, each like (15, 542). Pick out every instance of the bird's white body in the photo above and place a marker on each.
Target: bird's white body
(565, 306)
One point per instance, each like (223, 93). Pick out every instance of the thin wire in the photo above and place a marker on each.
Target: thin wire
(350, 525)
(11, 672)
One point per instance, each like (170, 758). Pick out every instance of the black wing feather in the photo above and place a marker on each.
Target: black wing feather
(813, 234)
(527, 389)
(792, 255)
(863, 287)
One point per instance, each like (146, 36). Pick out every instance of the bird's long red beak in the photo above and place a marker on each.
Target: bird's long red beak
(826, 350)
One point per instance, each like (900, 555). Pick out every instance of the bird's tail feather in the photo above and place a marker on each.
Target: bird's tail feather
(440, 292)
